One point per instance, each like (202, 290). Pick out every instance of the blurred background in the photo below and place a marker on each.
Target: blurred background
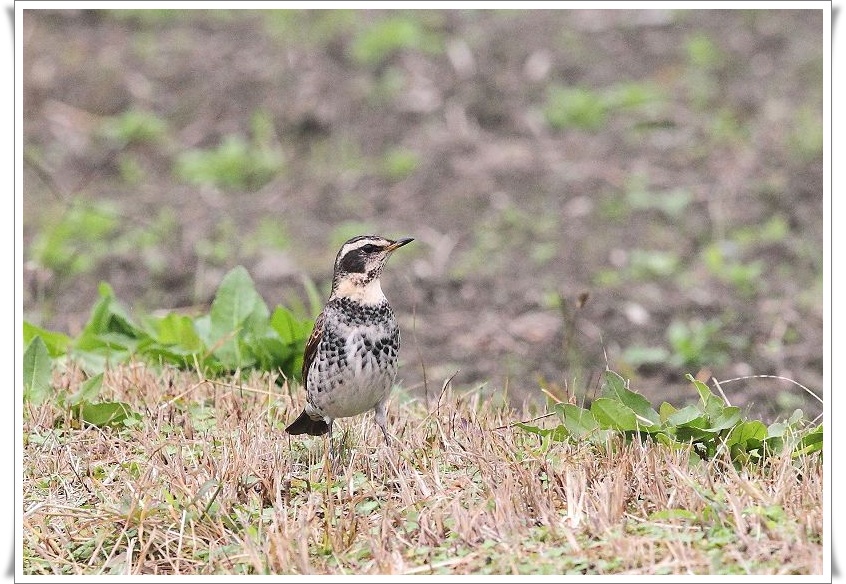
(639, 189)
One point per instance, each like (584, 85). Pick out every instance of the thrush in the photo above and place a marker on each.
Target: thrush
(350, 359)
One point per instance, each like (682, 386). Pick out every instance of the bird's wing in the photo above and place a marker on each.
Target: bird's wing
(311, 346)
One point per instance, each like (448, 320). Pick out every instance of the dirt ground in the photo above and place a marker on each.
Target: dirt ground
(690, 211)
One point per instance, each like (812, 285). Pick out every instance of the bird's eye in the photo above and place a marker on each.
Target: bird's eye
(369, 248)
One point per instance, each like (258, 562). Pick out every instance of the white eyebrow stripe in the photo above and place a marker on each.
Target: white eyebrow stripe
(360, 243)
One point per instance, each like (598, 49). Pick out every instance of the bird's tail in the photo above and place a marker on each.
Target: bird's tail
(306, 425)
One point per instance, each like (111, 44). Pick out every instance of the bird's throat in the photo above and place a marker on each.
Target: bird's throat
(370, 293)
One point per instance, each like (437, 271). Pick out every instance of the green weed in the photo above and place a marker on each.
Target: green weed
(673, 203)
(703, 59)
(238, 334)
(702, 53)
(78, 239)
(379, 41)
(309, 27)
(711, 425)
(722, 259)
(575, 107)
(134, 126)
(806, 135)
(650, 264)
(399, 163)
(696, 343)
(234, 164)
(690, 345)
(588, 109)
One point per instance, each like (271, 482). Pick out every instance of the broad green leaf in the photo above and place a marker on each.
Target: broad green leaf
(616, 386)
(268, 350)
(99, 358)
(776, 430)
(610, 413)
(202, 324)
(88, 390)
(671, 514)
(235, 302)
(795, 417)
(108, 316)
(690, 424)
(612, 383)
(236, 306)
(810, 442)
(774, 444)
(712, 403)
(727, 418)
(173, 355)
(745, 432)
(104, 413)
(529, 428)
(665, 411)
(176, 329)
(578, 421)
(289, 328)
(558, 434)
(686, 415)
(57, 343)
(666, 439)
(37, 372)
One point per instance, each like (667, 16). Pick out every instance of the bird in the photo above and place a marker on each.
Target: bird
(350, 357)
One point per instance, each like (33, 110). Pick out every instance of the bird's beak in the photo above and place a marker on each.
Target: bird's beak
(399, 243)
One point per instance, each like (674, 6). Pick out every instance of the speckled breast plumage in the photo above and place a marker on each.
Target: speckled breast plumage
(356, 360)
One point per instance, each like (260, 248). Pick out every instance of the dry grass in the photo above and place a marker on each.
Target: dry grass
(209, 483)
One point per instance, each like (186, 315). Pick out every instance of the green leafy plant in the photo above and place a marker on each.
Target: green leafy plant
(807, 133)
(703, 60)
(234, 164)
(384, 38)
(576, 107)
(652, 263)
(37, 371)
(238, 334)
(399, 163)
(73, 244)
(38, 387)
(309, 27)
(588, 109)
(710, 426)
(672, 203)
(702, 53)
(134, 126)
(692, 344)
(696, 342)
(723, 260)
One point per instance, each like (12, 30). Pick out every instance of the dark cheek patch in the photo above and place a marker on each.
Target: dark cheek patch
(353, 262)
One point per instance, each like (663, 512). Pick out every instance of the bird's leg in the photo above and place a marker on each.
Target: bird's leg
(381, 414)
(334, 450)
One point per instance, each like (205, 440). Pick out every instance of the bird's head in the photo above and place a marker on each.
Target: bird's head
(359, 264)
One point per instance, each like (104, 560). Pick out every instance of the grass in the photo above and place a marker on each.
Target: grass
(209, 483)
